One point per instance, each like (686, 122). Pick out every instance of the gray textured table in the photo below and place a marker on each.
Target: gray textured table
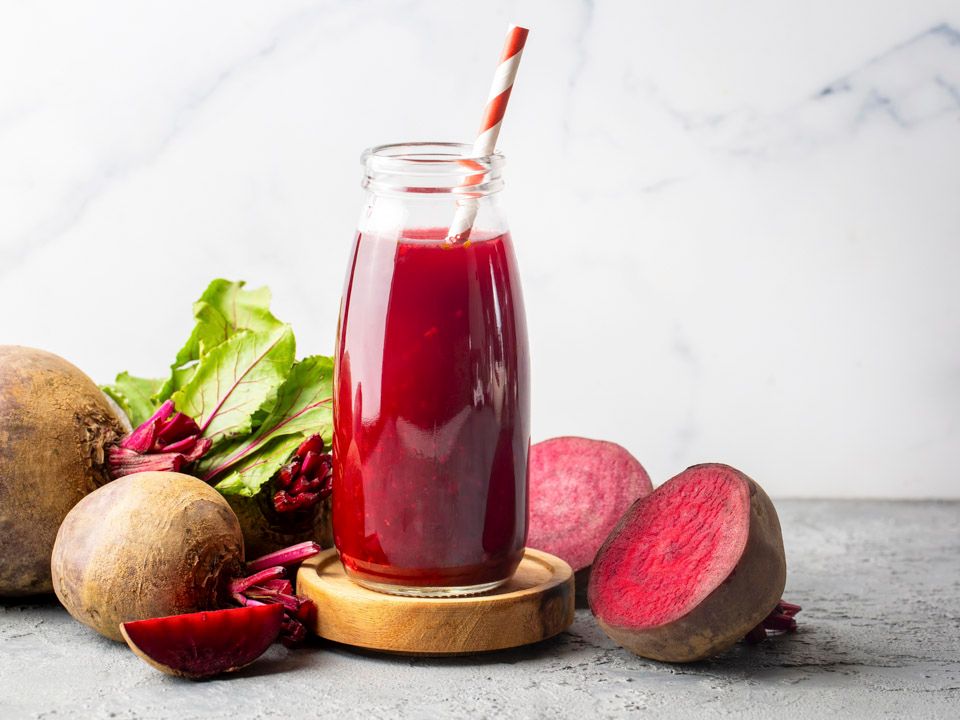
(879, 583)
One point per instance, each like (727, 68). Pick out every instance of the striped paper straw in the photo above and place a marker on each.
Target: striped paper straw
(486, 141)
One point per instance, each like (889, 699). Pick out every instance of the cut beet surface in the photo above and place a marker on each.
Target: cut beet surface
(579, 489)
(204, 644)
(691, 568)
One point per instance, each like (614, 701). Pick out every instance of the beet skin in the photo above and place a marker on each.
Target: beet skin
(56, 428)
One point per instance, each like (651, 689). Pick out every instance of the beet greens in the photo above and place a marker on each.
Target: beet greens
(236, 408)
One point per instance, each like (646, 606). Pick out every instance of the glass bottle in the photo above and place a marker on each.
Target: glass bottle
(431, 385)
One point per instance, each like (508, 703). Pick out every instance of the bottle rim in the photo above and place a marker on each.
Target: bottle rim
(431, 167)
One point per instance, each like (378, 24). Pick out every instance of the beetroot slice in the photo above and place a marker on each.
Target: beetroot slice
(579, 489)
(203, 644)
(691, 568)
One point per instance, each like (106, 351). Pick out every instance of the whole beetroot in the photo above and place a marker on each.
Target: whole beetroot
(265, 530)
(692, 568)
(294, 507)
(147, 545)
(55, 431)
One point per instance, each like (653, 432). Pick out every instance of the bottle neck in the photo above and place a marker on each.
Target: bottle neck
(418, 187)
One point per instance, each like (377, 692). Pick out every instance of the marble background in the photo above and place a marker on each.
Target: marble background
(738, 223)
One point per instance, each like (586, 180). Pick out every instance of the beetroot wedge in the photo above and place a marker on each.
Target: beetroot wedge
(579, 489)
(204, 644)
(692, 568)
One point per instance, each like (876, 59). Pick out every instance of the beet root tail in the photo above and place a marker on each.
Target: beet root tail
(780, 620)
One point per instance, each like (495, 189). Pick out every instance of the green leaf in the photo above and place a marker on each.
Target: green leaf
(178, 379)
(303, 407)
(133, 395)
(254, 471)
(304, 401)
(234, 380)
(223, 310)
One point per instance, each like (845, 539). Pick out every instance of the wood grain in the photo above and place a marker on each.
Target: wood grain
(537, 603)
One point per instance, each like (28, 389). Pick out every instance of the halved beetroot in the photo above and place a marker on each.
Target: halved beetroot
(203, 644)
(691, 568)
(579, 489)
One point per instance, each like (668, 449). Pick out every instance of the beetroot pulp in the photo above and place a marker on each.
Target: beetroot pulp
(579, 489)
(204, 644)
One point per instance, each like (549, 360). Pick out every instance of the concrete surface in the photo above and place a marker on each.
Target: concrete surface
(880, 637)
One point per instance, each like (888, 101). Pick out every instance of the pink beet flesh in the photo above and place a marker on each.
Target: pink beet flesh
(672, 550)
(203, 644)
(579, 489)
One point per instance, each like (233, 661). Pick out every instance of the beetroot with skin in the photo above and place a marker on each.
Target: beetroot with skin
(204, 644)
(56, 428)
(294, 508)
(579, 489)
(160, 544)
(148, 545)
(692, 568)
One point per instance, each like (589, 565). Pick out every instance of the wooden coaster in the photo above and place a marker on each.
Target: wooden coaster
(535, 604)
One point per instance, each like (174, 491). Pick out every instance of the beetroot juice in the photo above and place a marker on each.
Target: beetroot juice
(431, 414)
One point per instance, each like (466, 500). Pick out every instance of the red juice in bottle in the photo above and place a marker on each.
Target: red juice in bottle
(431, 414)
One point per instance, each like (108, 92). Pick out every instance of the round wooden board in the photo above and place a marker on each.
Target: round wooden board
(535, 604)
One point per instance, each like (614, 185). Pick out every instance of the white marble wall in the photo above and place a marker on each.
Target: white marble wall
(738, 223)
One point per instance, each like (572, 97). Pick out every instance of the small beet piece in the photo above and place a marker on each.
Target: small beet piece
(780, 620)
(204, 644)
(692, 568)
(579, 489)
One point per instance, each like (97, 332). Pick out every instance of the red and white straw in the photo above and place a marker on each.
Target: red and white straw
(486, 141)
